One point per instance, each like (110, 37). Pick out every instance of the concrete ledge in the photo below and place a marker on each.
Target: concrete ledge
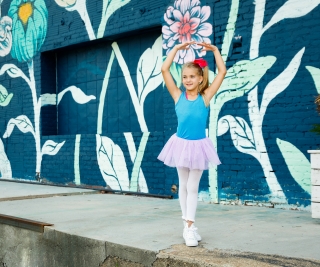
(142, 256)
(20, 247)
(180, 255)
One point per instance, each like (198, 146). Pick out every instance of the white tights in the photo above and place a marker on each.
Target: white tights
(188, 192)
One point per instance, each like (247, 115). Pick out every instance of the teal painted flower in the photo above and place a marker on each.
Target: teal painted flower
(29, 27)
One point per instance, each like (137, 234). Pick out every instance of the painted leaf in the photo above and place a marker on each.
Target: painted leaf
(315, 73)
(51, 148)
(281, 82)
(48, 99)
(12, 70)
(297, 163)
(112, 164)
(149, 70)
(292, 9)
(109, 7)
(77, 94)
(245, 74)
(240, 131)
(5, 166)
(5, 98)
(23, 124)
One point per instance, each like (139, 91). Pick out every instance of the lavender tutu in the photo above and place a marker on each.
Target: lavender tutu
(193, 154)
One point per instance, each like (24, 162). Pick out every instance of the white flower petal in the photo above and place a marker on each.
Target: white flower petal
(205, 13)
(205, 29)
(196, 11)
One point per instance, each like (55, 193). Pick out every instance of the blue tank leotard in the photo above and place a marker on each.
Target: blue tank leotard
(192, 117)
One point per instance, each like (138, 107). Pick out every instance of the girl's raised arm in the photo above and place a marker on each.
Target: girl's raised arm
(222, 71)
(174, 91)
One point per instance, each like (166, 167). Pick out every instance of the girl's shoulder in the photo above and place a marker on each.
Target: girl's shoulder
(181, 95)
(206, 101)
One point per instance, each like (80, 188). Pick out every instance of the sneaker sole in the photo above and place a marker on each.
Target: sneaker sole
(192, 245)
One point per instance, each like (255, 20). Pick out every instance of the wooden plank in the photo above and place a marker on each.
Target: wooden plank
(315, 161)
(315, 193)
(315, 177)
(315, 210)
(23, 223)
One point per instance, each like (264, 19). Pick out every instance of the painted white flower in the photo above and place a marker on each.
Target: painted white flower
(186, 21)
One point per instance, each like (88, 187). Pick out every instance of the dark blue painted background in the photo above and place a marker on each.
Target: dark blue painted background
(83, 63)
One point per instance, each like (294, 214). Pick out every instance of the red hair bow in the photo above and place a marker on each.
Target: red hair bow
(201, 62)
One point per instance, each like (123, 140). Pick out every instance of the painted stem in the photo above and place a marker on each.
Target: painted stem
(109, 7)
(81, 8)
(215, 106)
(230, 29)
(257, 29)
(37, 110)
(77, 180)
(103, 94)
(127, 77)
(137, 178)
(256, 119)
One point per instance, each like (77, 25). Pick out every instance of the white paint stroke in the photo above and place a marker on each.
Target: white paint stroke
(103, 93)
(297, 163)
(77, 180)
(81, 7)
(292, 9)
(51, 148)
(5, 166)
(213, 120)
(281, 82)
(149, 70)
(137, 176)
(78, 95)
(315, 73)
(22, 122)
(112, 164)
(132, 91)
(230, 29)
(108, 8)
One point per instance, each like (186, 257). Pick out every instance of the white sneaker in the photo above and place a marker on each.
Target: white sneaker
(195, 230)
(189, 237)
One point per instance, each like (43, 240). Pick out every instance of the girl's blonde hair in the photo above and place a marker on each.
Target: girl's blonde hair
(204, 72)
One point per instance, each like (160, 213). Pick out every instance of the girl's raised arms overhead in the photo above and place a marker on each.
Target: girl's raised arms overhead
(165, 69)
(214, 86)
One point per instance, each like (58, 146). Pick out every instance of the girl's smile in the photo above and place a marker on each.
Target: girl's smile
(191, 79)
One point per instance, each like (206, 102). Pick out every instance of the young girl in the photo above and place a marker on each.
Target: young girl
(189, 150)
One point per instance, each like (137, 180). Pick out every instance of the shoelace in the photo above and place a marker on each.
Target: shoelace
(190, 234)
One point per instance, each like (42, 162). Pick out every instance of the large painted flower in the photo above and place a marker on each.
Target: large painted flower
(29, 27)
(5, 35)
(186, 21)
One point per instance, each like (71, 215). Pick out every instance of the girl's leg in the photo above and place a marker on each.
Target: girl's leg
(192, 195)
(183, 174)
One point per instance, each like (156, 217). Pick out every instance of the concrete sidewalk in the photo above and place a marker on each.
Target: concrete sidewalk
(105, 229)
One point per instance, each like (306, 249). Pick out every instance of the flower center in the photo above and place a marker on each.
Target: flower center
(184, 29)
(25, 11)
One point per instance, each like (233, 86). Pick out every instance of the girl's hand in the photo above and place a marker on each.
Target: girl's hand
(184, 46)
(207, 47)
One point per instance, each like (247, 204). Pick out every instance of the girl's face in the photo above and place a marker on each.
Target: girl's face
(191, 79)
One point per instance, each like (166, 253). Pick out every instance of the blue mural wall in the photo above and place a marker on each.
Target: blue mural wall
(82, 99)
